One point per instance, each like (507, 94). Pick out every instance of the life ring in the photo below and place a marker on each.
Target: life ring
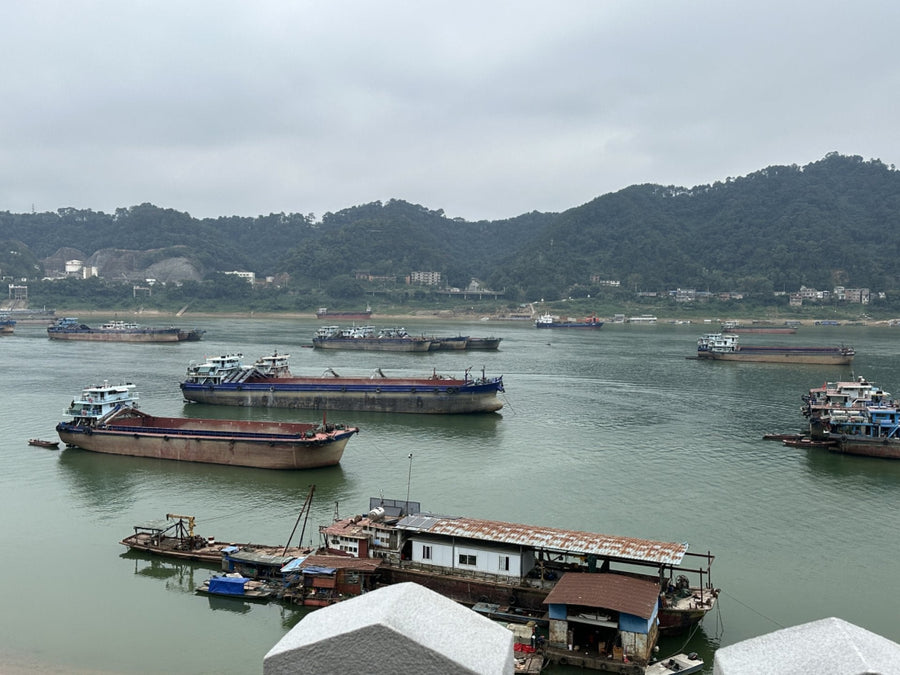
(272, 389)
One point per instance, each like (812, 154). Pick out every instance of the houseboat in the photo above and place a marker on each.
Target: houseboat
(518, 566)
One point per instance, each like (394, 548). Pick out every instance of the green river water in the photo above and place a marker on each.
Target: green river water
(612, 431)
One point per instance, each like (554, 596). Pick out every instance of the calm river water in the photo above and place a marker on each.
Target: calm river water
(610, 431)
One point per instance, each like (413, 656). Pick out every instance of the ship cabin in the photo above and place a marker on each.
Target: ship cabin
(98, 400)
(215, 369)
(275, 365)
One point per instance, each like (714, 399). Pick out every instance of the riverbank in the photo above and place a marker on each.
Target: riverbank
(444, 315)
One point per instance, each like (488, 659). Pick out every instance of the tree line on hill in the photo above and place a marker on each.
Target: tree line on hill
(831, 222)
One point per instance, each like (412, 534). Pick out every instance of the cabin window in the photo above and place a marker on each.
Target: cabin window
(504, 563)
(426, 553)
(465, 559)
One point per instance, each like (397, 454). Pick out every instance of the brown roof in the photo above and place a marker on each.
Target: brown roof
(606, 591)
(535, 536)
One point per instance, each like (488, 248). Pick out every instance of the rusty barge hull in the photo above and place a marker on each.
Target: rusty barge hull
(825, 358)
(391, 395)
(163, 335)
(264, 445)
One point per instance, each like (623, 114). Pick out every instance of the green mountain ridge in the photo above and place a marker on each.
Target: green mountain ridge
(831, 222)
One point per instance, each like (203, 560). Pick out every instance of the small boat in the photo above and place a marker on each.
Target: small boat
(678, 664)
(553, 321)
(726, 347)
(268, 383)
(105, 418)
(237, 586)
(43, 444)
(7, 324)
(69, 328)
(364, 338)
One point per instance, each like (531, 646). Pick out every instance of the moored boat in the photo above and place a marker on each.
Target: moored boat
(726, 347)
(736, 327)
(237, 586)
(105, 419)
(37, 442)
(361, 315)
(854, 418)
(485, 343)
(69, 328)
(7, 324)
(677, 664)
(364, 338)
(268, 382)
(553, 321)
(517, 566)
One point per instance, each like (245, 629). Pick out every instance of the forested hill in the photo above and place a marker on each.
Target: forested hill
(831, 222)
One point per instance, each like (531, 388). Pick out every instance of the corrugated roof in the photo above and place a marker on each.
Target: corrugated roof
(548, 538)
(606, 591)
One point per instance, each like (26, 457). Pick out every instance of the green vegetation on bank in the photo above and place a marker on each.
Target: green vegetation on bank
(834, 222)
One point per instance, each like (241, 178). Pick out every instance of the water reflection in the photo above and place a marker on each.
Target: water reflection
(113, 483)
(177, 576)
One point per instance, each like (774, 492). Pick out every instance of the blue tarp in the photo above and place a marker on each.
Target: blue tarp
(227, 585)
(293, 565)
(312, 569)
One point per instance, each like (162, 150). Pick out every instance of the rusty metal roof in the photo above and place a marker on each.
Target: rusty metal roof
(549, 538)
(606, 591)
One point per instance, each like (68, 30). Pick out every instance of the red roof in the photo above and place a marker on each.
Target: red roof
(606, 591)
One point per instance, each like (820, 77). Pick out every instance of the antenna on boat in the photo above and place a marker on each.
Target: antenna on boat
(408, 480)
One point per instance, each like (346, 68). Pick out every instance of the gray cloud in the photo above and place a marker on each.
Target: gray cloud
(486, 110)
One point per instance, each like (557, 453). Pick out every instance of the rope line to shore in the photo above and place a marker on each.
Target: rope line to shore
(755, 611)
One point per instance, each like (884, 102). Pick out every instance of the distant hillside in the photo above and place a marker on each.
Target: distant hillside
(831, 222)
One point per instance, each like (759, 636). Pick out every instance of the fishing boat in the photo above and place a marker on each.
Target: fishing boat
(726, 347)
(106, 419)
(361, 315)
(364, 338)
(554, 321)
(7, 324)
(37, 442)
(516, 566)
(268, 382)
(69, 328)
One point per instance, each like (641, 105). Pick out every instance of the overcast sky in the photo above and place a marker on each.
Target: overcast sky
(484, 109)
